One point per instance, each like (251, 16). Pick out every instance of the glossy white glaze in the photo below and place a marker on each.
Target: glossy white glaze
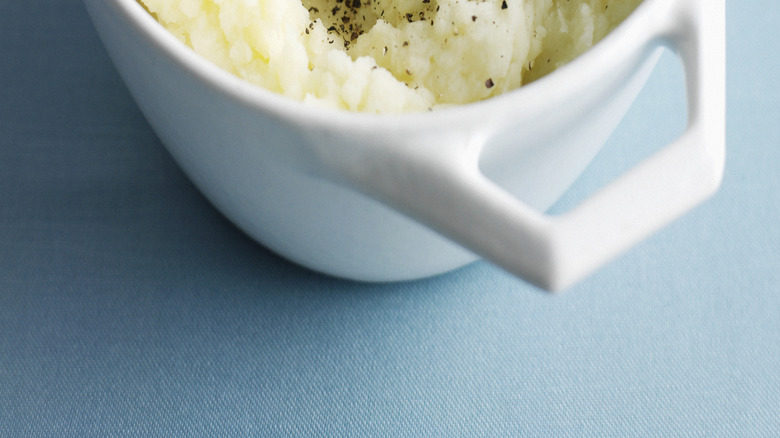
(387, 198)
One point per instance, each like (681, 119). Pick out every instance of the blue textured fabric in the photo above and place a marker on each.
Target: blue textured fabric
(129, 306)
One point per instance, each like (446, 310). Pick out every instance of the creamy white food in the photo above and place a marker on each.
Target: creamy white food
(390, 56)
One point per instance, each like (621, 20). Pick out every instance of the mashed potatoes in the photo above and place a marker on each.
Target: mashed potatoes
(389, 55)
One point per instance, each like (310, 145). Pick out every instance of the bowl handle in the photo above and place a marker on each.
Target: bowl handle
(454, 198)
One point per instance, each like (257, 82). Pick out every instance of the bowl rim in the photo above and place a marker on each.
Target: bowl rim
(628, 37)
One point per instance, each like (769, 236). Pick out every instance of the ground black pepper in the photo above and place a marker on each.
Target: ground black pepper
(346, 18)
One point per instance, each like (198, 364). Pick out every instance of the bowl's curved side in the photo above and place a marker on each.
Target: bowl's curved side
(252, 165)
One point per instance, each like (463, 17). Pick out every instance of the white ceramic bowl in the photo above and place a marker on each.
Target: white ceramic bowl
(384, 198)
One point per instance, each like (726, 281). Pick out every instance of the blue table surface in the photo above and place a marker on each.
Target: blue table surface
(130, 306)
